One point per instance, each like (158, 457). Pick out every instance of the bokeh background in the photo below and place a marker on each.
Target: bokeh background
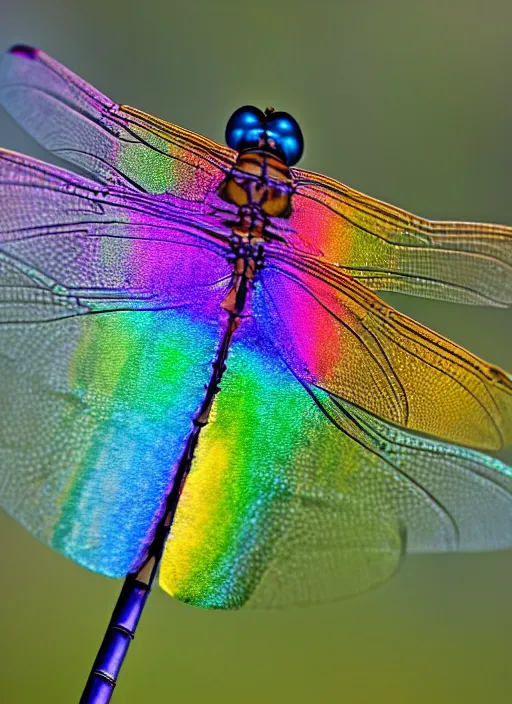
(409, 101)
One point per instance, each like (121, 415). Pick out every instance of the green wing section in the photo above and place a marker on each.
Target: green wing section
(294, 497)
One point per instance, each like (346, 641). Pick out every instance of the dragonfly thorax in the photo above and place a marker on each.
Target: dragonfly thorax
(260, 185)
(260, 181)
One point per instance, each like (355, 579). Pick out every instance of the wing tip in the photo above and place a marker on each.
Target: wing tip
(28, 52)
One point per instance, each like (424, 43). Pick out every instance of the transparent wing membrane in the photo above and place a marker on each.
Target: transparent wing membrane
(117, 144)
(389, 249)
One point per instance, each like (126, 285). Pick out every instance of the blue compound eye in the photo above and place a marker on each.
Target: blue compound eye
(285, 131)
(245, 128)
(248, 125)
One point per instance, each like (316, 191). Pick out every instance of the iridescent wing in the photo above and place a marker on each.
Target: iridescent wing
(290, 476)
(295, 496)
(69, 246)
(386, 248)
(338, 336)
(117, 144)
(109, 321)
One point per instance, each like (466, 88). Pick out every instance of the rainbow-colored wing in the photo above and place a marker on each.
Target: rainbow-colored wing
(118, 145)
(386, 248)
(295, 496)
(338, 336)
(109, 321)
(110, 296)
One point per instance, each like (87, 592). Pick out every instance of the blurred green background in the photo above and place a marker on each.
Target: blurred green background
(409, 101)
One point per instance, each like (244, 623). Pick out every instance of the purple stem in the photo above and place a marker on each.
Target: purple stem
(120, 633)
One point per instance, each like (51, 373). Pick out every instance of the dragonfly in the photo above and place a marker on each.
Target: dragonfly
(198, 378)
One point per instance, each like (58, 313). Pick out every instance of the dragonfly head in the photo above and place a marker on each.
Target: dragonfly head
(276, 132)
